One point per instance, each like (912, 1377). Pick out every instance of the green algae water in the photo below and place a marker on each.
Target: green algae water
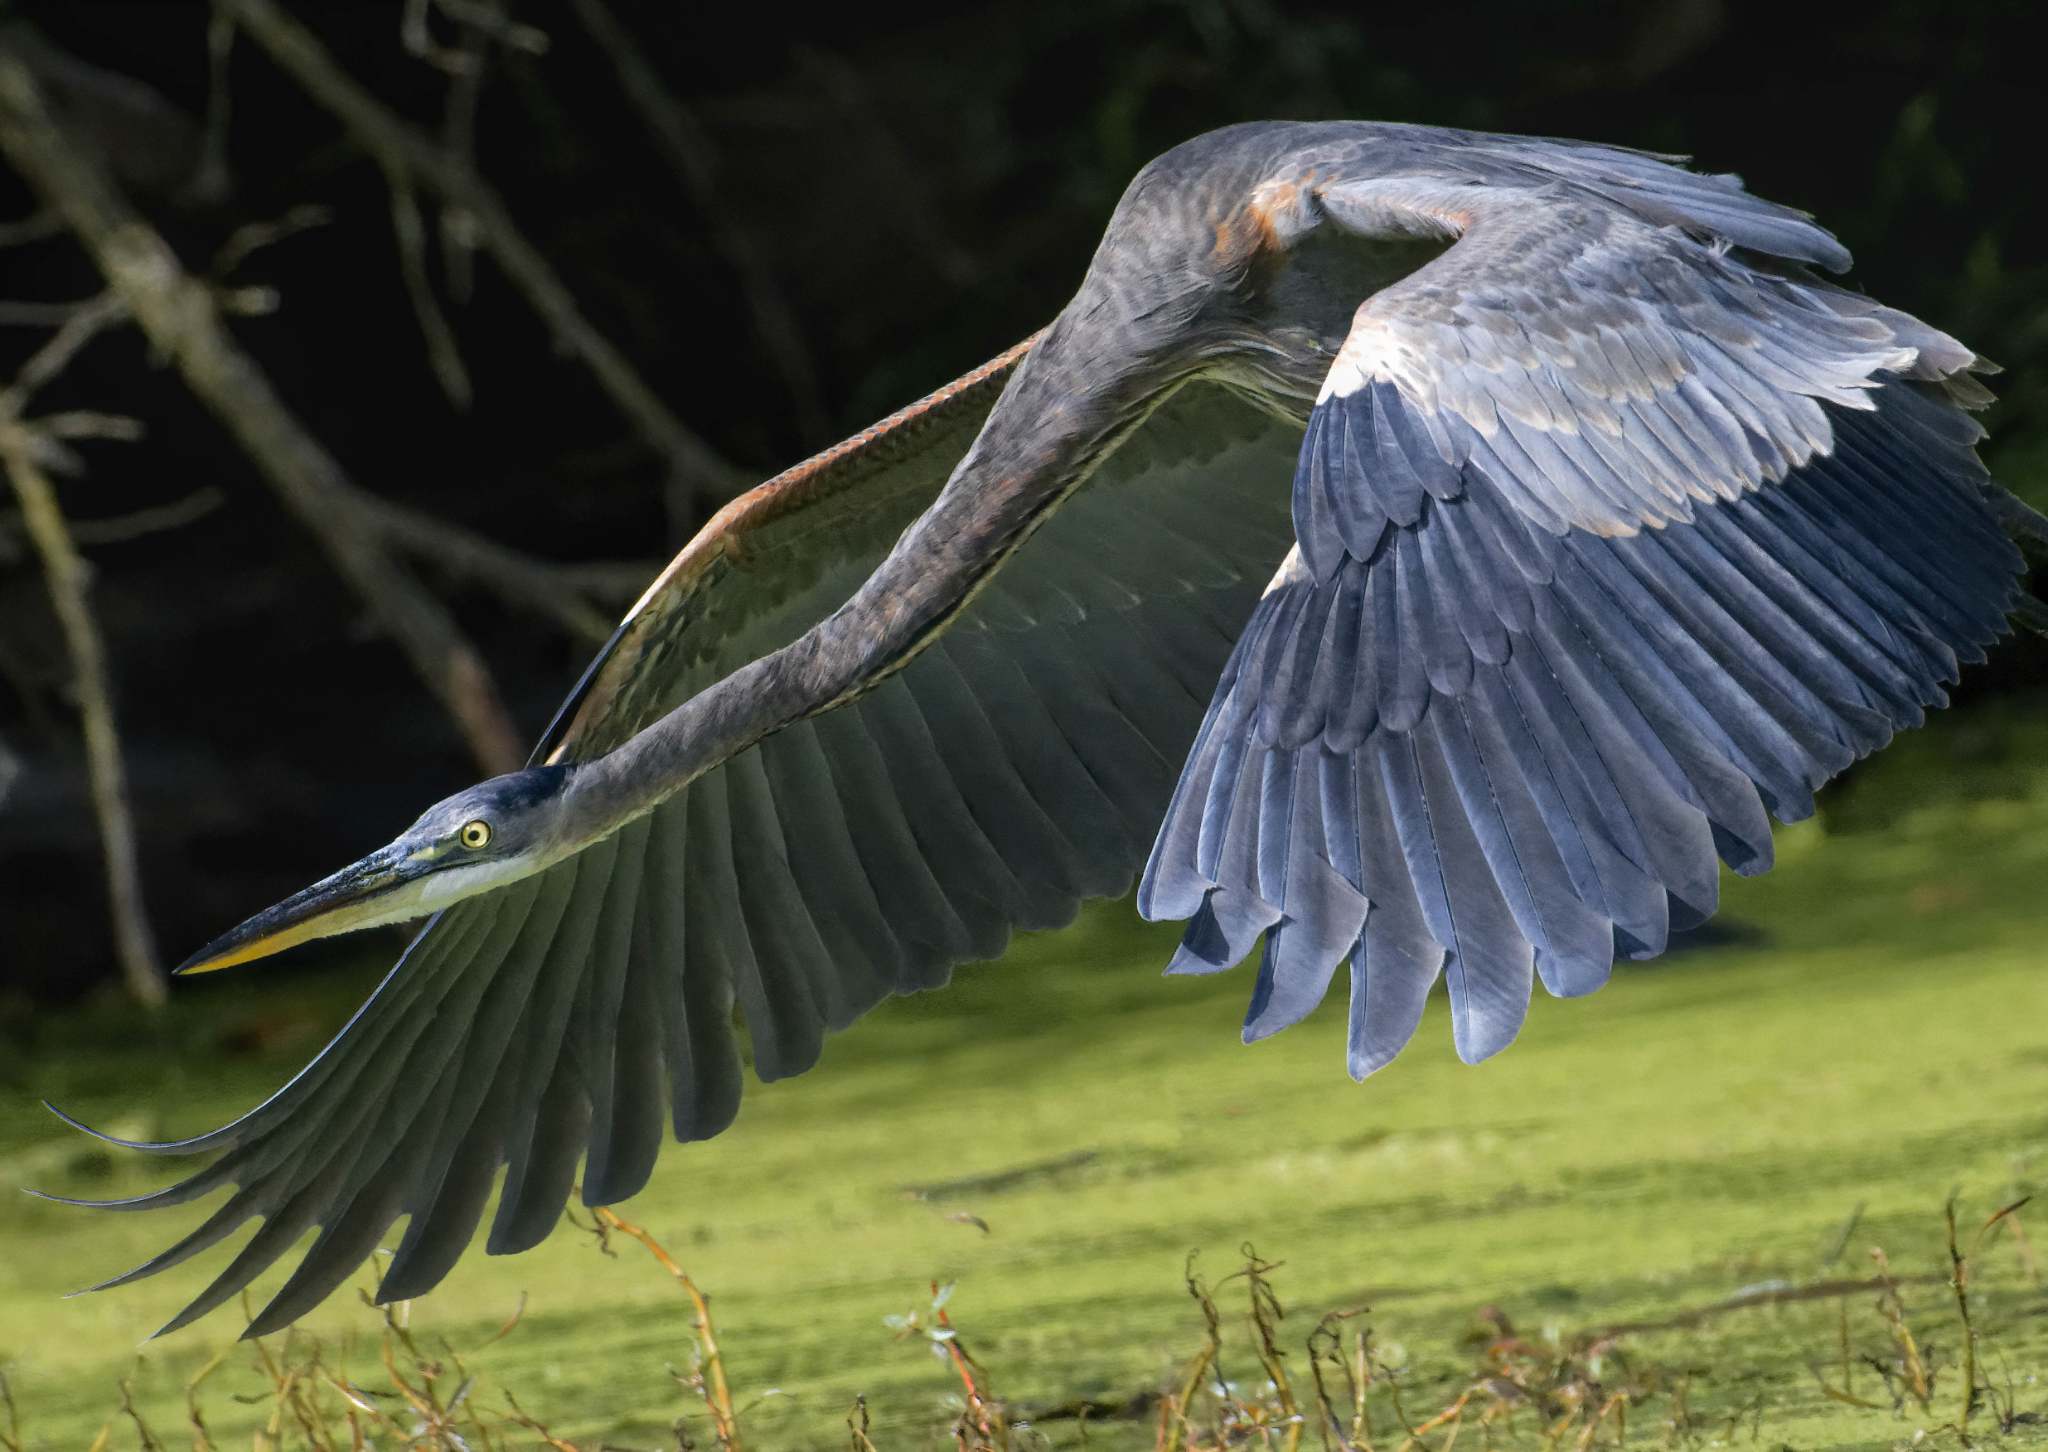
(1698, 1152)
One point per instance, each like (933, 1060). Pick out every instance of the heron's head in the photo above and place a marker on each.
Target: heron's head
(495, 832)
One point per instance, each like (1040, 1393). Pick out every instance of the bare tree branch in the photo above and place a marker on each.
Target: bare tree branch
(476, 19)
(694, 160)
(35, 227)
(403, 151)
(38, 314)
(489, 18)
(559, 593)
(86, 423)
(253, 237)
(458, 139)
(69, 580)
(182, 319)
(210, 177)
(442, 350)
(417, 35)
(137, 523)
(80, 324)
(10, 768)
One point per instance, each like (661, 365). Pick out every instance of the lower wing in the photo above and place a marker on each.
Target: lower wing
(1018, 765)
(1609, 540)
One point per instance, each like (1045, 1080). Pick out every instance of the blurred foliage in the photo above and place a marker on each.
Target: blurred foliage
(910, 187)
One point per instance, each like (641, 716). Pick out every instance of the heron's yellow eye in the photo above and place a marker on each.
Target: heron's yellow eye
(476, 835)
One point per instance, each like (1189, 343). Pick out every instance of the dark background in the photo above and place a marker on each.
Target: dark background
(915, 188)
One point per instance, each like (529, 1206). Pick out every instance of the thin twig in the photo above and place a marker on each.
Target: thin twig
(181, 316)
(210, 176)
(718, 1395)
(10, 769)
(442, 351)
(1959, 1282)
(417, 36)
(38, 226)
(691, 156)
(477, 20)
(146, 1440)
(38, 314)
(558, 592)
(88, 423)
(457, 229)
(404, 152)
(81, 323)
(137, 523)
(490, 19)
(254, 236)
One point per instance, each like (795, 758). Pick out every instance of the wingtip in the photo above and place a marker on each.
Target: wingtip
(147, 1146)
(1473, 1051)
(82, 1204)
(83, 1128)
(1361, 1065)
(402, 1282)
(1261, 1027)
(180, 1321)
(276, 1316)
(106, 1285)
(1187, 960)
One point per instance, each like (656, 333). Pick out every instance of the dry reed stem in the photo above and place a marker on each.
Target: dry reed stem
(717, 1394)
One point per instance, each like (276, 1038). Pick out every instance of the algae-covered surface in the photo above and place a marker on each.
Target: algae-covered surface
(1054, 1134)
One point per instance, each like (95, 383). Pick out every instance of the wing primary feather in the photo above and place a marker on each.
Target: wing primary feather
(529, 1208)
(1051, 767)
(630, 1094)
(825, 864)
(788, 944)
(933, 931)
(782, 1022)
(701, 962)
(619, 1046)
(548, 1012)
(1322, 914)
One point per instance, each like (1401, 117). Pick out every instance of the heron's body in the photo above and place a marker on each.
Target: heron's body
(1426, 551)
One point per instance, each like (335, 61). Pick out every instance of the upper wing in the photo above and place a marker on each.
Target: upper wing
(1014, 767)
(1609, 538)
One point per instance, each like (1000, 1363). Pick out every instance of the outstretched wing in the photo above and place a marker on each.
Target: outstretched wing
(1013, 768)
(1610, 537)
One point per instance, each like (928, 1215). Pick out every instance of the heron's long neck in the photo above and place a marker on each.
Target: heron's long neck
(1061, 412)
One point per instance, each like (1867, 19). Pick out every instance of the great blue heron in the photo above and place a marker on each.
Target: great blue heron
(1613, 526)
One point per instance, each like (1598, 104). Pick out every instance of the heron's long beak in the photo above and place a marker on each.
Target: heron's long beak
(361, 895)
